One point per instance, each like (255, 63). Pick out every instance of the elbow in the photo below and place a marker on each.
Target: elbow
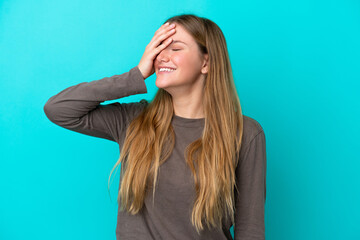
(60, 116)
(49, 111)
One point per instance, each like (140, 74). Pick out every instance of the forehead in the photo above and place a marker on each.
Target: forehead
(178, 41)
(181, 36)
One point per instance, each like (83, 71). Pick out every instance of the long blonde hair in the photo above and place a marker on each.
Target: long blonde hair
(212, 158)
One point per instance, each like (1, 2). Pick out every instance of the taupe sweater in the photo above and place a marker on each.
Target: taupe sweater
(78, 109)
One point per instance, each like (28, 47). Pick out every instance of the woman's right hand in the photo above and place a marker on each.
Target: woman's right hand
(146, 65)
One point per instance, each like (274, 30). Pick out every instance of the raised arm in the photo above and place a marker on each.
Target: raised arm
(78, 107)
(251, 181)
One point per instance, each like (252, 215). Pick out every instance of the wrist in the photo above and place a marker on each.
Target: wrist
(142, 74)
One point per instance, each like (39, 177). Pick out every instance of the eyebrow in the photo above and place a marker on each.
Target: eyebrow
(176, 41)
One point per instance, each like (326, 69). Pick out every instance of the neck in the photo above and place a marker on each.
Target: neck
(189, 105)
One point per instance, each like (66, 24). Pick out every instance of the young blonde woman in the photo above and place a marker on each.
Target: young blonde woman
(191, 143)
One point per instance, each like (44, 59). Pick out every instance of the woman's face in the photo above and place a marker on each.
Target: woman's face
(184, 56)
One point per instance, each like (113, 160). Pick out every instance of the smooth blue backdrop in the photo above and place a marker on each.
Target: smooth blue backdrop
(296, 66)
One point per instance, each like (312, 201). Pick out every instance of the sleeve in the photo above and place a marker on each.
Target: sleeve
(251, 182)
(78, 107)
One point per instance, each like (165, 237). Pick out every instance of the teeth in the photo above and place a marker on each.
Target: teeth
(166, 70)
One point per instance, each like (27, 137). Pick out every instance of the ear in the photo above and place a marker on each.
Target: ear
(204, 68)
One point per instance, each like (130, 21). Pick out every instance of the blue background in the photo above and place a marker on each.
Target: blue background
(297, 71)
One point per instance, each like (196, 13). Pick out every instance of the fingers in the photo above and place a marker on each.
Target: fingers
(164, 27)
(159, 42)
(164, 36)
(162, 33)
(163, 45)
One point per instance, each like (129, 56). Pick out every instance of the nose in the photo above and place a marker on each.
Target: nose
(163, 56)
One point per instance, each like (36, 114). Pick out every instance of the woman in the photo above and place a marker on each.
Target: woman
(191, 143)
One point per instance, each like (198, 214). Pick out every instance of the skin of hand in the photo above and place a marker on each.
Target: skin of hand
(159, 42)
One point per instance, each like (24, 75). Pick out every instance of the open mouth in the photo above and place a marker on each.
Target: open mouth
(166, 70)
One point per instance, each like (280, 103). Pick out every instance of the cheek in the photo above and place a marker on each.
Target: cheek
(183, 61)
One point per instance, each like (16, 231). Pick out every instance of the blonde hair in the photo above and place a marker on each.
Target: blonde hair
(212, 158)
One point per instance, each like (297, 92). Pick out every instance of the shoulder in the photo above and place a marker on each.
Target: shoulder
(127, 111)
(251, 128)
(131, 108)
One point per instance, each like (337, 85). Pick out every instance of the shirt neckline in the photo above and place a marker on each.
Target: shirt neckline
(187, 122)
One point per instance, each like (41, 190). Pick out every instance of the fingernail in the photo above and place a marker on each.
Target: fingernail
(167, 23)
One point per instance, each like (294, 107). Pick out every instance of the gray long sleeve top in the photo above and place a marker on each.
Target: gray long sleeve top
(78, 109)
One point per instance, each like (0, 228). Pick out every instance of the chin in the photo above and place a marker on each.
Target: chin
(164, 83)
(163, 86)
